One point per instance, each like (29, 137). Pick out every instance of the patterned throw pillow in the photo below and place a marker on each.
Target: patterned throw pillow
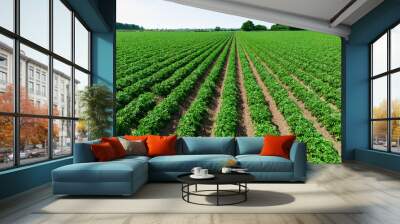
(135, 147)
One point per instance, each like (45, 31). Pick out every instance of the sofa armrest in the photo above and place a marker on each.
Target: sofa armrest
(83, 152)
(298, 156)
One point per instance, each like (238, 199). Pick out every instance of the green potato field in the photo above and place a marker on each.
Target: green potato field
(232, 84)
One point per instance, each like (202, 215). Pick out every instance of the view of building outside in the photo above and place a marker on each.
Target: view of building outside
(47, 108)
(34, 99)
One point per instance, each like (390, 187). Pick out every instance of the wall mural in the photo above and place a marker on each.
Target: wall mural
(232, 83)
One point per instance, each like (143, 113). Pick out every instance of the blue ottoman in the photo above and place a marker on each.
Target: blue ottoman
(119, 177)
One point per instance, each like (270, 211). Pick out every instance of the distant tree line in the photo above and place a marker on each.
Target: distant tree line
(127, 26)
(249, 26)
(279, 27)
(246, 26)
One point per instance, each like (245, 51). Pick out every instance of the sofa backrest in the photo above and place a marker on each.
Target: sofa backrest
(206, 145)
(190, 146)
(83, 153)
(249, 145)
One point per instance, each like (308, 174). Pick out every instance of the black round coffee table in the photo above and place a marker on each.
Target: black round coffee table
(238, 179)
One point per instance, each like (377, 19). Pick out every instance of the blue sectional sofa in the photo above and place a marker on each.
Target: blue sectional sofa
(125, 176)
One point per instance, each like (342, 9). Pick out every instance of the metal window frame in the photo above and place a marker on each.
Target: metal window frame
(388, 74)
(16, 114)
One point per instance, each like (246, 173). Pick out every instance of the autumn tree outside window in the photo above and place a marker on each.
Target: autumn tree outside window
(45, 63)
(385, 91)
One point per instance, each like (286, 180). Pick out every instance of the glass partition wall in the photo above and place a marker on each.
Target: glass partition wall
(385, 91)
(44, 64)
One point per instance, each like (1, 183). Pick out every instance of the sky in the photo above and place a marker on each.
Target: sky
(380, 66)
(35, 27)
(153, 14)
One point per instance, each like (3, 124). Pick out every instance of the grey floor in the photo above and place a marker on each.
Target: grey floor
(377, 188)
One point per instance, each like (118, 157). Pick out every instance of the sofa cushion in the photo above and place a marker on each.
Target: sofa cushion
(257, 163)
(134, 147)
(83, 152)
(133, 157)
(277, 145)
(103, 152)
(134, 138)
(249, 145)
(185, 163)
(116, 145)
(112, 171)
(207, 145)
(161, 145)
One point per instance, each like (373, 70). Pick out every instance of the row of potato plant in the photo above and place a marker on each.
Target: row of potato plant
(319, 150)
(159, 117)
(260, 114)
(227, 120)
(326, 115)
(191, 122)
(184, 66)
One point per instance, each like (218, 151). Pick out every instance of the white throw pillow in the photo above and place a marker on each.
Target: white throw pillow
(137, 147)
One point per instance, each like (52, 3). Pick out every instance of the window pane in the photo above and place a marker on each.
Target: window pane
(33, 139)
(395, 136)
(81, 82)
(62, 138)
(379, 55)
(395, 47)
(6, 74)
(34, 72)
(379, 97)
(7, 14)
(62, 89)
(395, 94)
(379, 135)
(81, 131)
(35, 21)
(6, 142)
(81, 45)
(62, 28)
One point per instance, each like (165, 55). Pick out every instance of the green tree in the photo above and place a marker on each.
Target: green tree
(260, 28)
(247, 26)
(97, 104)
(279, 27)
(217, 28)
(127, 26)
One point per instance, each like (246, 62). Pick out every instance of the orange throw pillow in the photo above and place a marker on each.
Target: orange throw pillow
(116, 145)
(103, 152)
(135, 138)
(277, 146)
(161, 145)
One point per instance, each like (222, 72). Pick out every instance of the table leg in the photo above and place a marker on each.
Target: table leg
(195, 188)
(245, 193)
(217, 194)
(188, 190)
(182, 188)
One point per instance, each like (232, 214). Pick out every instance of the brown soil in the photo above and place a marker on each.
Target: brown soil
(308, 88)
(307, 114)
(245, 126)
(159, 99)
(215, 105)
(277, 118)
(172, 125)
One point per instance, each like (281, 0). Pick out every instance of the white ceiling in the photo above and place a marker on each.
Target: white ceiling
(321, 9)
(319, 15)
